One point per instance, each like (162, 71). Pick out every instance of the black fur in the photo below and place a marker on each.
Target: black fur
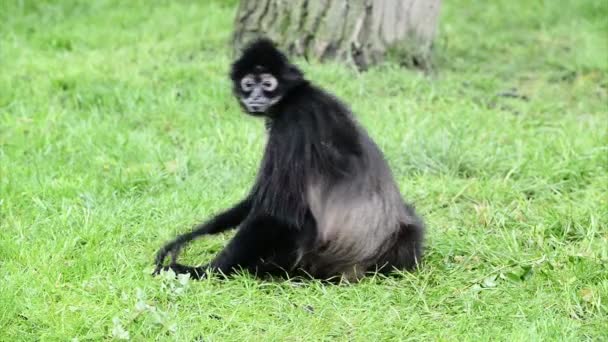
(314, 144)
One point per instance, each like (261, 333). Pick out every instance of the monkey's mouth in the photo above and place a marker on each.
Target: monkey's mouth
(256, 106)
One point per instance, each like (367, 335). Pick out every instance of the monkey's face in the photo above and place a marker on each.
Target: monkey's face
(262, 77)
(258, 92)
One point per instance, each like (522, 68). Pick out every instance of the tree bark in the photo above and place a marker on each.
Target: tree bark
(361, 32)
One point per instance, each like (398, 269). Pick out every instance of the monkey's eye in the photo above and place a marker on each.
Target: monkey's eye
(247, 83)
(269, 82)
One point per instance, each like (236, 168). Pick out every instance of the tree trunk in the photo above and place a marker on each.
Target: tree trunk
(362, 32)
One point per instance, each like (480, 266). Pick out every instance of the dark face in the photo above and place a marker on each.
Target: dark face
(258, 91)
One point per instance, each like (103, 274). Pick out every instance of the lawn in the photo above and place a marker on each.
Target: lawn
(118, 131)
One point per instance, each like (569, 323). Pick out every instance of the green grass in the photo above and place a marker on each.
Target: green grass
(118, 131)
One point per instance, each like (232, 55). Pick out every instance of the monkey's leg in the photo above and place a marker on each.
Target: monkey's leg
(221, 222)
(406, 252)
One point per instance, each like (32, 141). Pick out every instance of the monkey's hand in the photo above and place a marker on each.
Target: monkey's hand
(172, 248)
(194, 272)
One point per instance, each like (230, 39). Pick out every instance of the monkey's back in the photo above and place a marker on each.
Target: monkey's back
(359, 216)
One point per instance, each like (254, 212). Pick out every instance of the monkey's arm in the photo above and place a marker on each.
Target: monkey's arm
(263, 244)
(219, 223)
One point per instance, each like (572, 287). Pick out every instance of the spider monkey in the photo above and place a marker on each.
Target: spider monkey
(324, 202)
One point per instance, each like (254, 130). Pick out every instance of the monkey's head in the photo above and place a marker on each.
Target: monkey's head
(262, 76)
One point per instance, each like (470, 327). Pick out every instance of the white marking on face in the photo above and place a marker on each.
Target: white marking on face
(247, 83)
(269, 82)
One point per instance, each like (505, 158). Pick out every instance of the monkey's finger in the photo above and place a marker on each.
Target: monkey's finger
(160, 258)
(161, 255)
(160, 268)
(174, 254)
(157, 270)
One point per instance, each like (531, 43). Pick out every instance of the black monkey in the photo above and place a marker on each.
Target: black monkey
(324, 202)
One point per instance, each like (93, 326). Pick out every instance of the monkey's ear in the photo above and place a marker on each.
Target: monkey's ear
(292, 74)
